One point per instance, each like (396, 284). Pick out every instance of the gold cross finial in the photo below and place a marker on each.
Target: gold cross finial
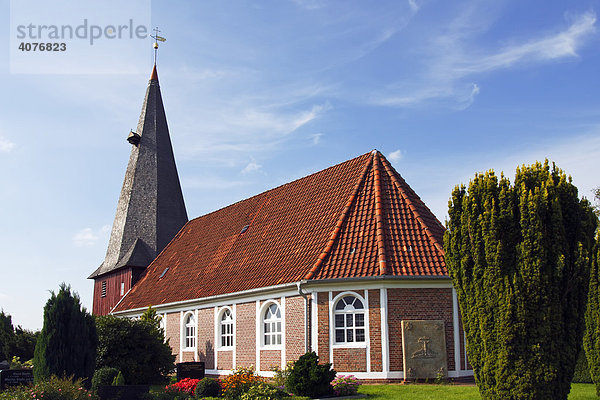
(157, 39)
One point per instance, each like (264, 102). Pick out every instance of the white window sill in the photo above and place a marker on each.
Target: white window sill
(351, 345)
(189, 349)
(225, 348)
(276, 347)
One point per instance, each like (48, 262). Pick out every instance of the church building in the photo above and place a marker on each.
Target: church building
(343, 262)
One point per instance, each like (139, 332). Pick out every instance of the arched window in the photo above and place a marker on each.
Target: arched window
(272, 325)
(349, 315)
(226, 328)
(190, 332)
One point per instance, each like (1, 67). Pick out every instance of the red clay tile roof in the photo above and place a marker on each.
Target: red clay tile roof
(355, 219)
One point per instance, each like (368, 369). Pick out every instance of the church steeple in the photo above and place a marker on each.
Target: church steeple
(151, 209)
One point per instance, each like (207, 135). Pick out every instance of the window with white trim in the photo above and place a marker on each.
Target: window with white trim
(190, 332)
(226, 328)
(272, 326)
(349, 320)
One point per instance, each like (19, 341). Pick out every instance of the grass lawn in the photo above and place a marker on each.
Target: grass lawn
(579, 391)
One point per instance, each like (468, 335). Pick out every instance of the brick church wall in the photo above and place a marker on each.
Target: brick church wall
(375, 330)
(245, 334)
(323, 326)
(206, 333)
(173, 333)
(294, 328)
(418, 303)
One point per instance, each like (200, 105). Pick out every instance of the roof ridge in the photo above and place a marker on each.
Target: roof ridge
(412, 207)
(338, 226)
(379, 217)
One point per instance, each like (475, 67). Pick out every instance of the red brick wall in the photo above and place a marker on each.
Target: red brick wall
(323, 326)
(206, 334)
(270, 359)
(187, 356)
(294, 328)
(350, 360)
(225, 359)
(375, 330)
(103, 305)
(173, 333)
(245, 334)
(418, 303)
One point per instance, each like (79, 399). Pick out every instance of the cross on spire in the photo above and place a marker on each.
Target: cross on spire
(157, 39)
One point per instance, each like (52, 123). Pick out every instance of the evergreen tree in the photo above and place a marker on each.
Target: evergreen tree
(591, 340)
(7, 336)
(67, 343)
(519, 260)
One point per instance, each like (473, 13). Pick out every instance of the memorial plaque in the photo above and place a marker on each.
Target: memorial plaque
(424, 349)
(15, 377)
(193, 370)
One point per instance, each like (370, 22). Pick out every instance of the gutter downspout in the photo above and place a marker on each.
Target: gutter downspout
(307, 344)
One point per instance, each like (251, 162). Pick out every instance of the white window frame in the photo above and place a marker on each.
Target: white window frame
(280, 320)
(220, 334)
(184, 331)
(332, 327)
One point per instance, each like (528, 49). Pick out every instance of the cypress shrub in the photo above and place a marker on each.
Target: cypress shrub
(582, 371)
(208, 387)
(67, 343)
(518, 256)
(309, 378)
(591, 340)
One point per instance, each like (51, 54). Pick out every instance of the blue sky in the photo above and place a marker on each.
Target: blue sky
(258, 93)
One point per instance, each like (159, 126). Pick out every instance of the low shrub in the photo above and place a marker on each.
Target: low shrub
(170, 393)
(263, 391)
(208, 387)
(51, 389)
(345, 385)
(280, 375)
(17, 364)
(309, 378)
(186, 385)
(239, 382)
(103, 377)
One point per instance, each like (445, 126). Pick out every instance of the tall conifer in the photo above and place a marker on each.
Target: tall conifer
(591, 340)
(67, 343)
(518, 256)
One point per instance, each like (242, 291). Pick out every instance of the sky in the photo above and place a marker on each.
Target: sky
(259, 93)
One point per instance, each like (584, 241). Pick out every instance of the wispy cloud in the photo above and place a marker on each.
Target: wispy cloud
(252, 166)
(316, 138)
(6, 145)
(88, 237)
(452, 59)
(395, 156)
(555, 46)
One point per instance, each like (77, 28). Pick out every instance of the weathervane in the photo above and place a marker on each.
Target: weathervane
(156, 40)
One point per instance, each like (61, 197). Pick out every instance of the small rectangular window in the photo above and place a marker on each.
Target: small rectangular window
(122, 288)
(103, 291)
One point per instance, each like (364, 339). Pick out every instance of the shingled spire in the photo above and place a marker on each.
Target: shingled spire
(151, 209)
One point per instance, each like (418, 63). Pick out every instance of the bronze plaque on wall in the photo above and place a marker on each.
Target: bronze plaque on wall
(424, 349)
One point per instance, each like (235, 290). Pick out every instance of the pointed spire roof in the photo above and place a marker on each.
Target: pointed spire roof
(357, 219)
(151, 209)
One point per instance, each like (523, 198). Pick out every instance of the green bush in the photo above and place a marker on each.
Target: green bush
(52, 388)
(519, 258)
(169, 393)
(136, 348)
(67, 343)
(308, 378)
(582, 371)
(208, 387)
(263, 391)
(103, 377)
(118, 380)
